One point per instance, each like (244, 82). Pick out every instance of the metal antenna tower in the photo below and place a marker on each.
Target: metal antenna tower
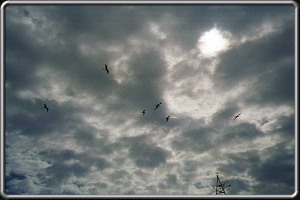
(220, 187)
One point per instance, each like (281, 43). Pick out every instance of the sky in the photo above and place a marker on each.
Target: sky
(204, 63)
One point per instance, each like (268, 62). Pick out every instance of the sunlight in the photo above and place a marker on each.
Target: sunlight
(212, 42)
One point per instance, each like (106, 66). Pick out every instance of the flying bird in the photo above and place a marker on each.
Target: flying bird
(144, 112)
(45, 106)
(106, 69)
(156, 106)
(237, 116)
(167, 119)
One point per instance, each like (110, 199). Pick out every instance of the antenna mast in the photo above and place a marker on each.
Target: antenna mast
(220, 187)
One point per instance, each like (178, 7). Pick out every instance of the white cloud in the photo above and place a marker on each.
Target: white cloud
(259, 32)
(155, 29)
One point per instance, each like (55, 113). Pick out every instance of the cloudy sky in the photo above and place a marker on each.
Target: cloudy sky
(204, 63)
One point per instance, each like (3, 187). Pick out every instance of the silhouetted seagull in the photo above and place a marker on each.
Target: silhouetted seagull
(144, 112)
(156, 106)
(167, 119)
(237, 116)
(106, 69)
(45, 106)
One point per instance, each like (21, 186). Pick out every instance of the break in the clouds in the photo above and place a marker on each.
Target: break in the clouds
(204, 63)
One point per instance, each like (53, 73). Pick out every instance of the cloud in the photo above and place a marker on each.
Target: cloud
(95, 141)
(244, 63)
(16, 187)
(194, 140)
(260, 174)
(273, 175)
(143, 153)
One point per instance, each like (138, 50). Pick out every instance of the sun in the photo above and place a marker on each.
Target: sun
(212, 42)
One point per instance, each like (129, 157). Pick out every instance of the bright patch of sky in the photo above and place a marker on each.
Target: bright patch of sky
(213, 42)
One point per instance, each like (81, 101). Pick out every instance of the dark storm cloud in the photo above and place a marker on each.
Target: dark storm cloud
(15, 175)
(87, 138)
(199, 185)
(197, 140)
(271, 68)
(19, 46)
(275, 87)
(61, 171)
(169, 181)
(276, 82)
(238, 133)
(277, 171)
(23, 49)
(34, 120)
(15, 183)
(287, 127)
(67, 163)
(147, 156)
(240, 162)
(62, 156)
(16, 187)
(190, 165)
(66, 59)
(97, 20)
(144, 153)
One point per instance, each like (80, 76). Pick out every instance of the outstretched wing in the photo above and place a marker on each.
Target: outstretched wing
(106, 68)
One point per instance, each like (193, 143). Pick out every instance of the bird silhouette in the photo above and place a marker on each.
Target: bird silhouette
(45, 106)
(144, 112)
(156, 106)
(106, 69)
(167, 119)
(237, 116)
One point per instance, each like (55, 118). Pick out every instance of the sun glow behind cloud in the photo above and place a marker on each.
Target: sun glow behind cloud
(212, 42)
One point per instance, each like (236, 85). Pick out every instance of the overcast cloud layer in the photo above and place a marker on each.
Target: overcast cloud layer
(204, 63)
